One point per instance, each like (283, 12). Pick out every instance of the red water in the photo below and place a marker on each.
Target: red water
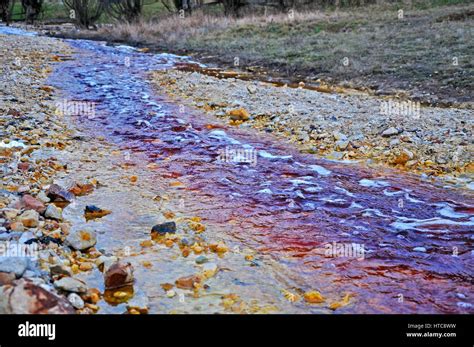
(284, 206)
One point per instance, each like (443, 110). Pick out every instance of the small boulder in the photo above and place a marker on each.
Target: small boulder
(341, 145)
(30, 203)
(239, 114)
(189, 282)
(24, 297)
(252, 89)
(59, 269)
(118, 275)
(6, 278)
(29, 218)
(10, 213)
(69, 284)
(16, 265)
(81, 240)
(93, 212)
(162, 229)
(58, 194)
(390, 132)
(53, 212)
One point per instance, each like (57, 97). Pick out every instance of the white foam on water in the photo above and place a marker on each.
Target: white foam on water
(415, 223)
(373, 184)
(265, 191)
(470, 186)
(419, 249)
(448, 211)
(355, 205)
(387, 193)
(320, 170)
(267, 155)
(409, 198)
(297, 182)
(370, 212)
(345, 191)
(125, 48)
(222, 135)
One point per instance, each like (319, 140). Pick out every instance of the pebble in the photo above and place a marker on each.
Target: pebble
(390, 132)
(201, 259)
(76, 301)
(252, 89)
(170, 293)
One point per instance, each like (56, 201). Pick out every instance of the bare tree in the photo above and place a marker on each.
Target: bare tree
(185, 5)
(85, 12)
(6, 9)
(32, 9)
(232, 7)
(127, 10)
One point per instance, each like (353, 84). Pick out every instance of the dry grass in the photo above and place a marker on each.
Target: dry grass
(387, 54)
(173, 29)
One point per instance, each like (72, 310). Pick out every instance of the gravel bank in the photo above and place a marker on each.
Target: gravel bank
(379, 131)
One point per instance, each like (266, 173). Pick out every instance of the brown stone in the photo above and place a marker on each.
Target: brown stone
(24, 297)
(23, 166)
(57, 194)
(30, 203)
(118, 275)
(6, 278)
(188, 282)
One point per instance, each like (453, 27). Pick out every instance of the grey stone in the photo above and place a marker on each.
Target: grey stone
(16, 265)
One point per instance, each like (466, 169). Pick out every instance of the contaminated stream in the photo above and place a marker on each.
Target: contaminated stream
(393, 241)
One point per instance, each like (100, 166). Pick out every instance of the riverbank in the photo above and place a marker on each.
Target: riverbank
(341, 126)
(377, 49)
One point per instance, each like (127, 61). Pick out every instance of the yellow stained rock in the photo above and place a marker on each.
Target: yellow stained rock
(85, 267)
(197, 227)
(342, 303)
(146, 243)
(168, 214)
(313, 297)
(147, 264)
(239, 114)
(291, 297)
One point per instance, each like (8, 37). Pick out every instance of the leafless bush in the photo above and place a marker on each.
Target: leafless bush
(85, 12)
(125, 10)
(32, 9)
